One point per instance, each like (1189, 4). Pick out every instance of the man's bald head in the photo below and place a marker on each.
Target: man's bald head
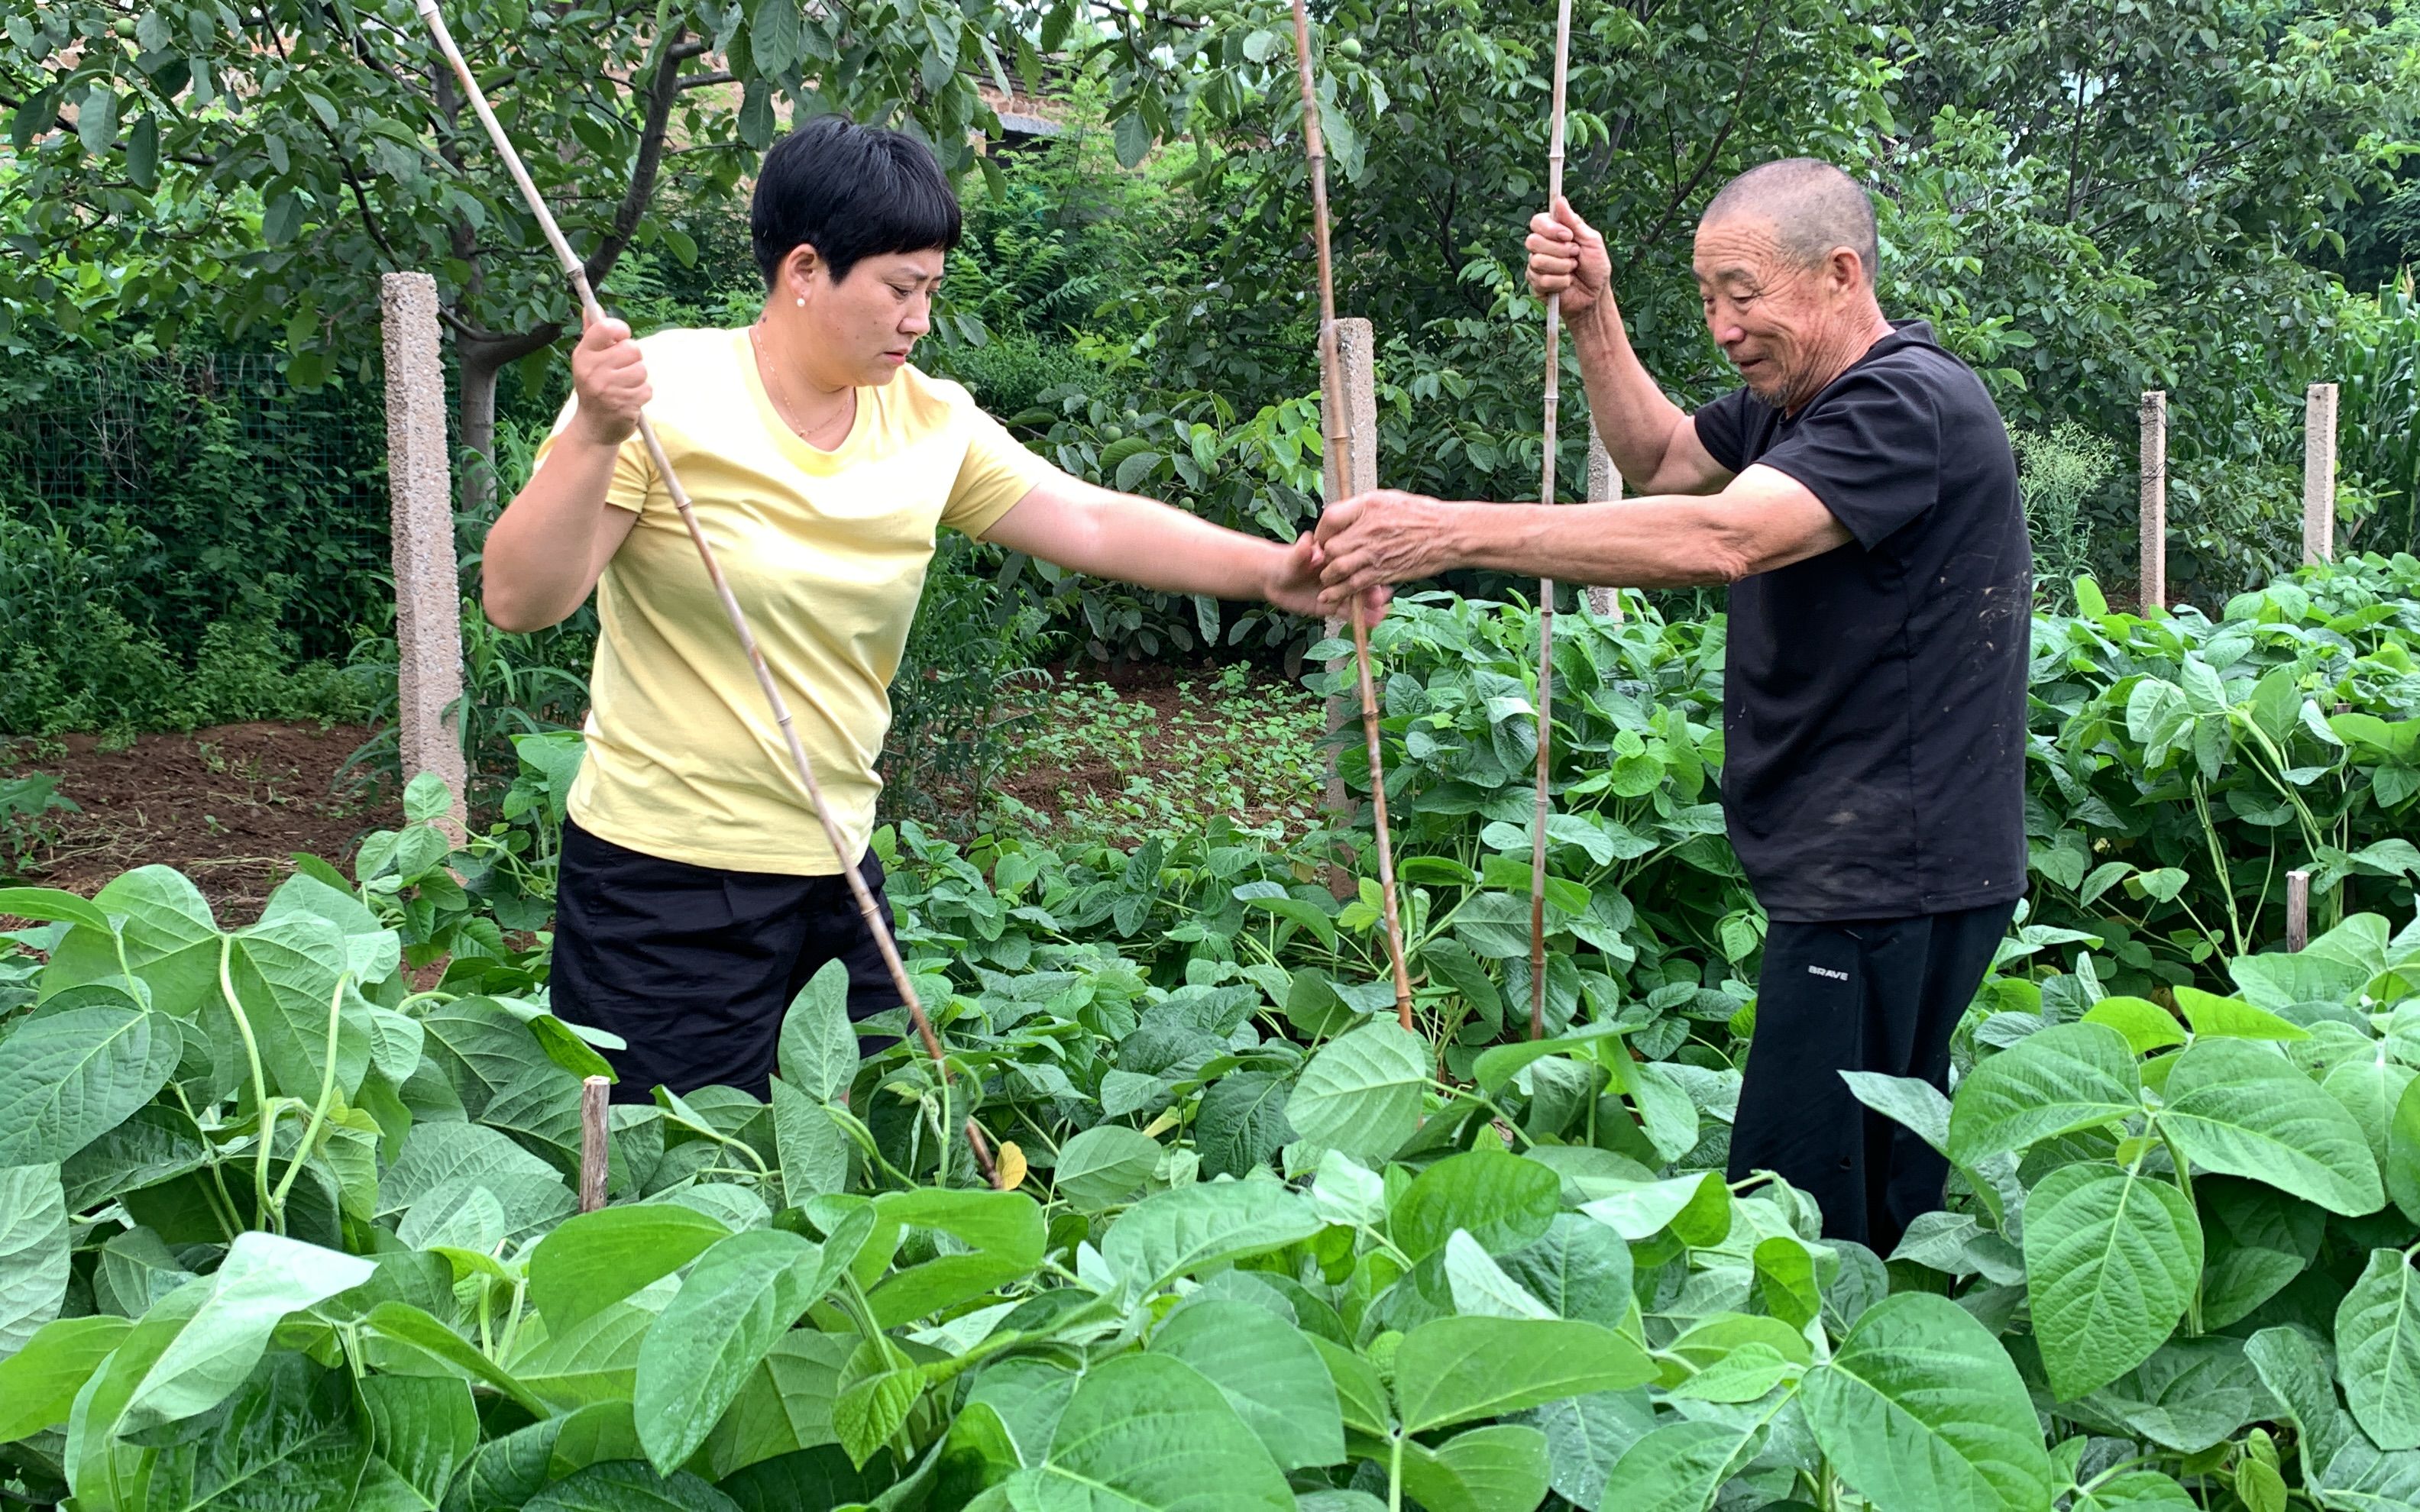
(1813, 207)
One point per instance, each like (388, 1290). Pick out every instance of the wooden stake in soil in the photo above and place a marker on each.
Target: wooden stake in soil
(1546, 585)
(2155, 499)
(593, 1093)
(591, 312)
(2298, 909)
(1339, 443)
(2319, 475)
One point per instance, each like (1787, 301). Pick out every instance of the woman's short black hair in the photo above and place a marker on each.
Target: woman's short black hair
(850, 192)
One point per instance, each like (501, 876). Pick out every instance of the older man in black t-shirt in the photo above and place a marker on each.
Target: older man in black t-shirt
(1859, 498)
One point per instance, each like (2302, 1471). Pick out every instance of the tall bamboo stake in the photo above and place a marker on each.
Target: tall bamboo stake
(592, 312)
(1546, 585)
(1339, 440)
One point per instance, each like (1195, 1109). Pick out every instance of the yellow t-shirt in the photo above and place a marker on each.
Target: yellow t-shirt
(826, 552)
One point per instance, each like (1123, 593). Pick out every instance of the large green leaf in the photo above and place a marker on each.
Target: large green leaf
(2238, 1108)
(813, 1146)
(1581, 1268)
(76, 1073)
(160, 1142)
(1241, 1122)
(421, 1427)
(598, 1259)
(2260, 1239)
(2403, 1154)
(39, 1384)
(1501, 1468)
(1267, 1370)
(34, 1254)
(264, 1278)
(1920, 1409)
(483, 1048)
(742, 1295)
(437, 1153)
(594, 1360)
(285, 975)
(1361, 1092)
(1678, 1467)
(287, 1436)
(2378, 1349)
(1182, 1230)
(2190, 1394)
(1105, 1165)
(1586, 1436)
(2112, 1257)
(1147, 1433)
(1002, 1233)
(2370, 1089)
(2066, 1077)
(786, 1404)
(1457, 1369)
(627, 1485)
(1502, 1200)
(2290, 1364)
(165, 928)
(818, 1045)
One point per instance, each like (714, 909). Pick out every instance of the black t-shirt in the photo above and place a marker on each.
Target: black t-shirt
(1874, 696)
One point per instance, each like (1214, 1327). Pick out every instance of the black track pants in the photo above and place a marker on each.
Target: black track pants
(694, 966)
(1876, 994)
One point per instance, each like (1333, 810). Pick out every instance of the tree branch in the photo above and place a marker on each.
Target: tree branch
(661, 91)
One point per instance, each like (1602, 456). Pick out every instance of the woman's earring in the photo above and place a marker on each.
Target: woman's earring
(802, 302)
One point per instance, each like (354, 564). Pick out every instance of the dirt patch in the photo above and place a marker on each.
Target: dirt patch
(1050, 788)
(227, 806)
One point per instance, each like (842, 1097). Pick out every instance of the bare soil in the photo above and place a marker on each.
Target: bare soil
(227, 806)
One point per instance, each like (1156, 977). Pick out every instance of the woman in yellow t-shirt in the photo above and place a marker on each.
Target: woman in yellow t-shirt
(697, 892)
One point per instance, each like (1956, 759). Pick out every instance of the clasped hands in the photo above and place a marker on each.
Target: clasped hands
(1367, 544)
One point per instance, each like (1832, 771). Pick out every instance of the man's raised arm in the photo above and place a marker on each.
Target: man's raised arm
(1648, 436)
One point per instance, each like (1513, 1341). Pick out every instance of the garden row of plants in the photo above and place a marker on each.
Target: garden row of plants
(286, 1224)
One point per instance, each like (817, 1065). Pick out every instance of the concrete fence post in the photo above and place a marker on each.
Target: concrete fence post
(2155, 499)
(2319, 475)
(1355, 348)
(427, 585)
(1604, 486)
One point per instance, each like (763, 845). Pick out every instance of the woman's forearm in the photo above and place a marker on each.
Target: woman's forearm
(1093, 530)
(543, 556)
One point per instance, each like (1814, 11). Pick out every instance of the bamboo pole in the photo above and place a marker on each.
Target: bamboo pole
(591, 312)
(2298, 908)
(1339, 440)
(2154, 522)
(1546, 585)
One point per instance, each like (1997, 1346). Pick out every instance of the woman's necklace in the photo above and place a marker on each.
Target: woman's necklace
(812, 435)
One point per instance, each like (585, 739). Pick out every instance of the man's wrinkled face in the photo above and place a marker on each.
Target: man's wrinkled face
(1766, 311)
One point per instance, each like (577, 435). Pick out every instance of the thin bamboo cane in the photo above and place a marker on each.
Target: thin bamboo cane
(1546, 585)
(1340, 442)
(591, 311)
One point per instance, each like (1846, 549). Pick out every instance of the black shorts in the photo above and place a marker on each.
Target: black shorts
(694, 966)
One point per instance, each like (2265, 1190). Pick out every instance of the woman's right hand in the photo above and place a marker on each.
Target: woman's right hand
(1567, 256)
(611, 379)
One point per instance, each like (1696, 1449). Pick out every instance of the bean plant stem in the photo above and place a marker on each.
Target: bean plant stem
(263, 1108)
(327, 1093)
(1546, 585)
(1339, 442)
(591, 312)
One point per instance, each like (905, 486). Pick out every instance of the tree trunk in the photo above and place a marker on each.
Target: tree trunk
(481, 358)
